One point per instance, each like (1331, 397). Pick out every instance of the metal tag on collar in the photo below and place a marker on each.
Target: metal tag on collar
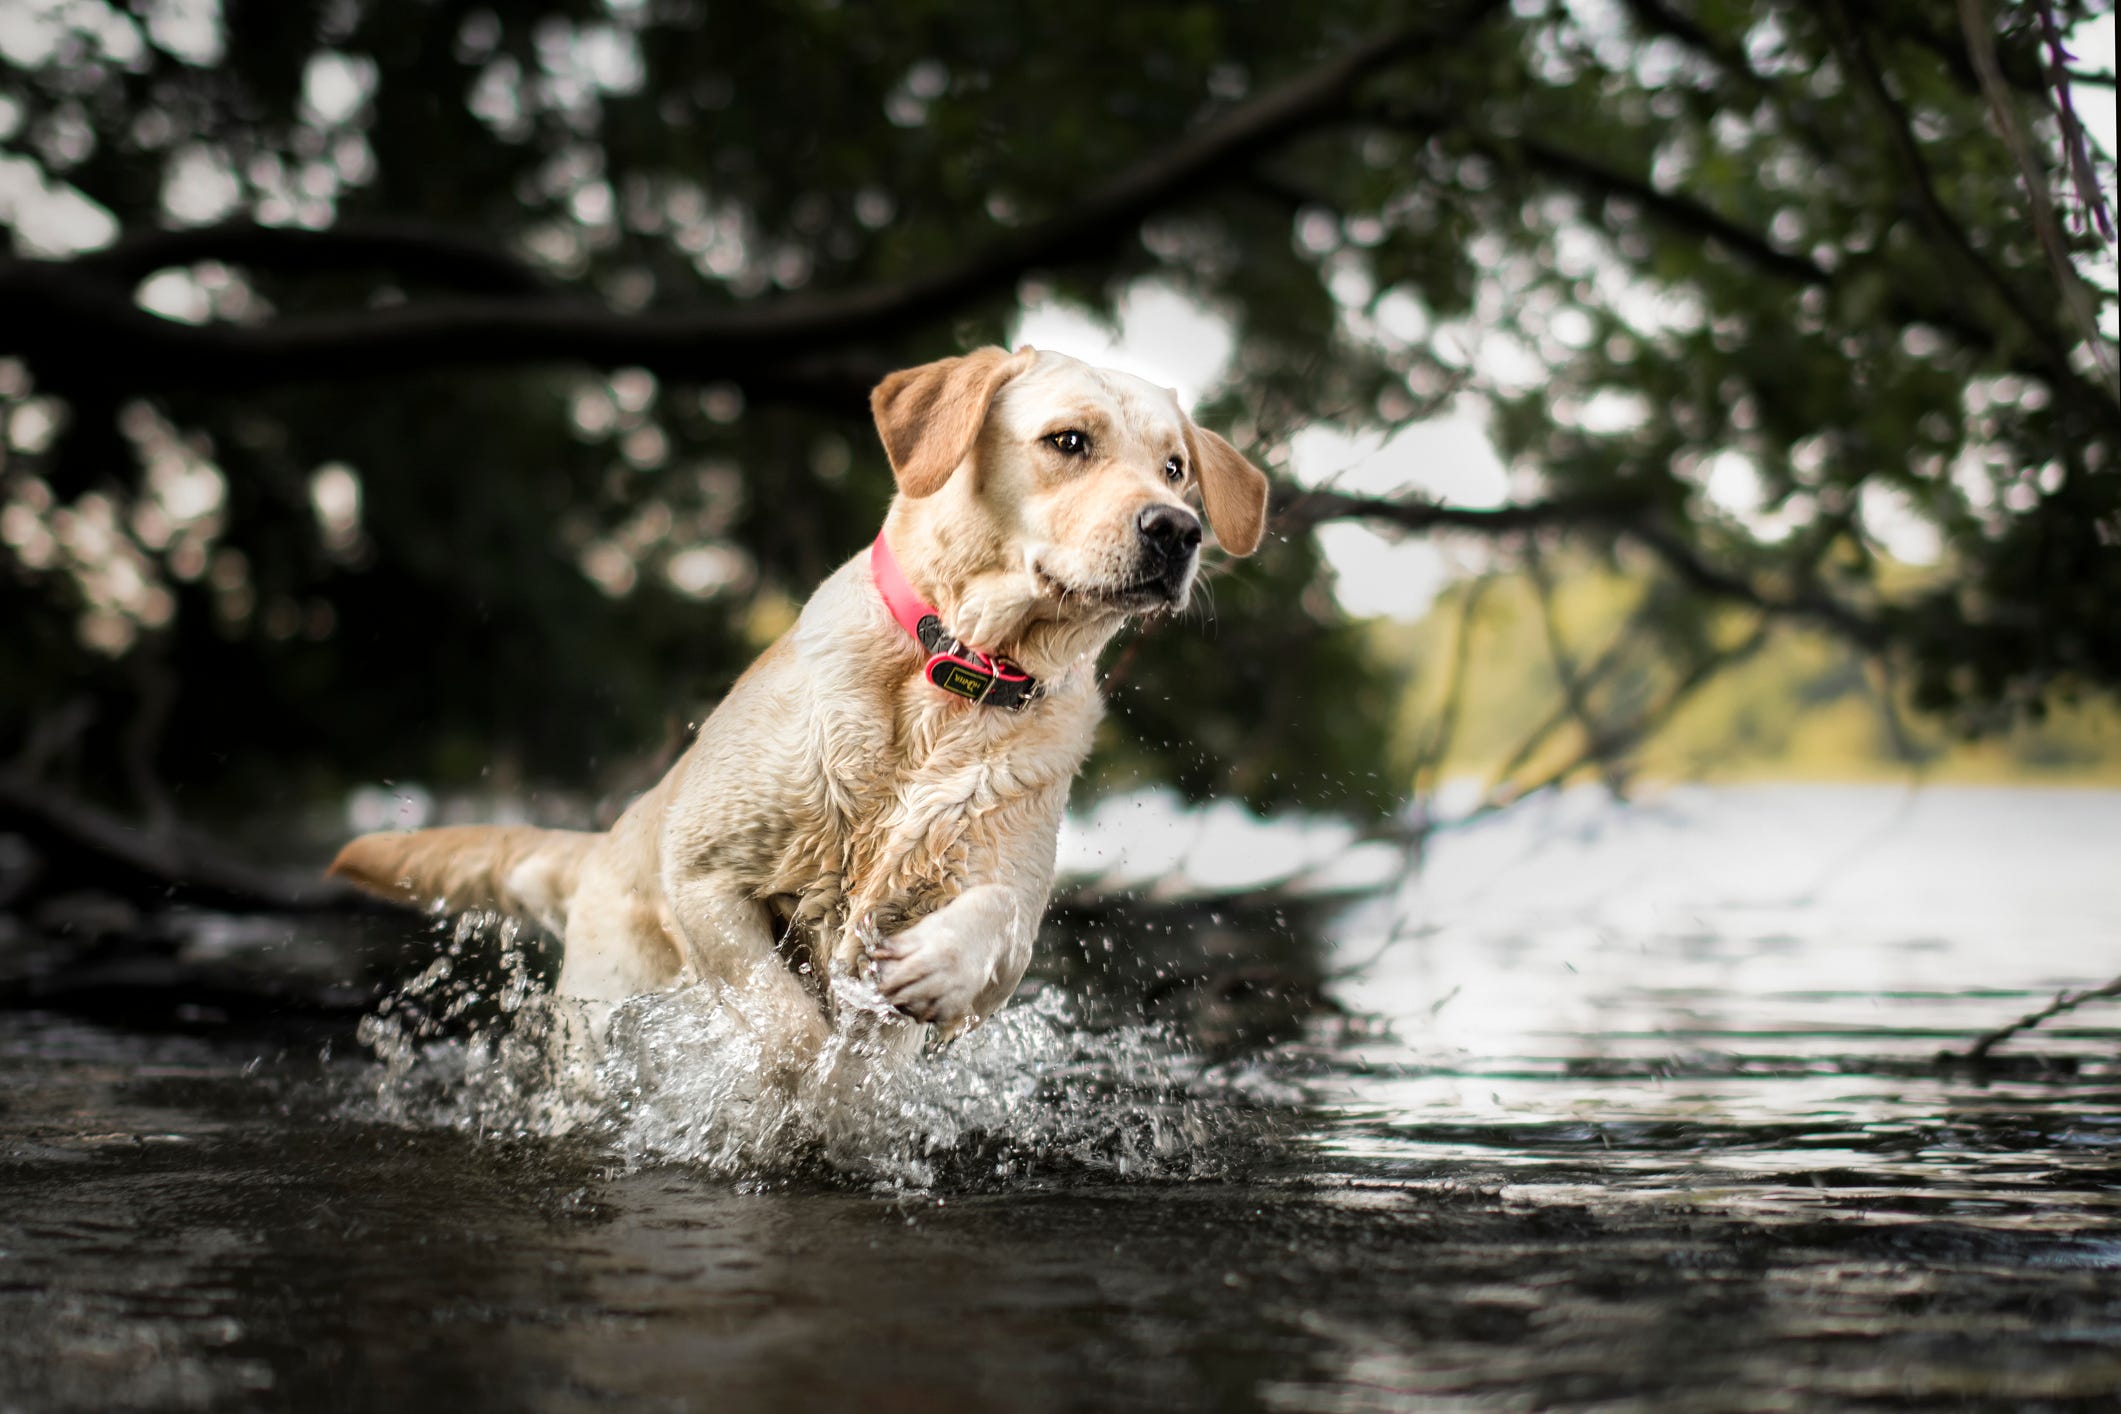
(967, 672)
(955, 675)
(977, 677)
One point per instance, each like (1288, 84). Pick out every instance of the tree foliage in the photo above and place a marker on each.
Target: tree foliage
(422, 387)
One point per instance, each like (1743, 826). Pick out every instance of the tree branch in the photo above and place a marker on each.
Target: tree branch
(422, 253)
(1435, 749)
(1575, 688)
(1810, 604)
(2022, 72)
(1944, 228)
(1628, 735)
(1981, 46)
(1304, 509)
(2076, 144)
(66, 312)
(2063, 1002)
(1668, 207)
(1603, 747)
(1661, 17)
(1632, 519)
(162, 866)
(1598, 671)
(1597, 180)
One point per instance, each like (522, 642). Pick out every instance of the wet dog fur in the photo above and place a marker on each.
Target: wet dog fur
(838, 811)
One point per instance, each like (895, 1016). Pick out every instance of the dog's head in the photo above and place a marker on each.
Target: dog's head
(1038, 489)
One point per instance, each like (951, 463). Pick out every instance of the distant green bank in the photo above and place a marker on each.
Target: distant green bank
(1498, 687)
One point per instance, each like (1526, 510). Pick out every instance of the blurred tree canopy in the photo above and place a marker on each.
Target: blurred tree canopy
(418, 388)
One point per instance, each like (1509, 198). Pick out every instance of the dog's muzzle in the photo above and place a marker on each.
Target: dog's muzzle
(1170, 542)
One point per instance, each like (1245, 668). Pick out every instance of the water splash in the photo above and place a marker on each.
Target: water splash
(697, 1077)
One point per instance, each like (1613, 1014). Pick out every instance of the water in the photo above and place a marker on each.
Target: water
(1631, 1110)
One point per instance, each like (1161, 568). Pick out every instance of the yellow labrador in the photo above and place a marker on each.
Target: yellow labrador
(887, 780)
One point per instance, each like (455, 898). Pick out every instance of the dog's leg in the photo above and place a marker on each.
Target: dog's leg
(728, 936)
(960, 963)
(993, 608)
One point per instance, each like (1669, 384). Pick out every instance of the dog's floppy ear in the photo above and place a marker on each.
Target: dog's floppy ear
(929, 416)
(1232, 489)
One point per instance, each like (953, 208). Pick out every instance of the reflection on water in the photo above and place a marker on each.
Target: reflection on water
(1645, 1114)
(1747, 981)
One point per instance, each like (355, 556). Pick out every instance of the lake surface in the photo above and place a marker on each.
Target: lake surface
(1620, 1109)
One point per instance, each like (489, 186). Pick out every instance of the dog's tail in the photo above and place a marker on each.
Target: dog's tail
(512, 869)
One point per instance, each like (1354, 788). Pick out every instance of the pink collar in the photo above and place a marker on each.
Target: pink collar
(951, 665)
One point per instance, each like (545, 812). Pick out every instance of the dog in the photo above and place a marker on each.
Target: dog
(882, 790)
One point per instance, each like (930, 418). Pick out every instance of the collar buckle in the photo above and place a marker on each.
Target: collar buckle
(952, 666)
(979, 677)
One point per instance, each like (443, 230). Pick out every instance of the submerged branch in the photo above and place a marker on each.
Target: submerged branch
(2063, 1002)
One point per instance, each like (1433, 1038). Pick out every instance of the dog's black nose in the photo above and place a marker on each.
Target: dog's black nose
(1171, 531)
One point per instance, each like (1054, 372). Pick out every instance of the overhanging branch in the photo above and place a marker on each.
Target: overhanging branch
(1301, 510)
(1948, 235)
(71, 314)
(1601, 181)
(1630, 519)
(421, 253)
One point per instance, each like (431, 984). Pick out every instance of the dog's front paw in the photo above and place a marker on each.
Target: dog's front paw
(930, 976)
(994, 608)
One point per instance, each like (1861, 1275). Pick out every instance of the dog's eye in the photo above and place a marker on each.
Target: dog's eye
(1070, 443)
(1175, 470)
